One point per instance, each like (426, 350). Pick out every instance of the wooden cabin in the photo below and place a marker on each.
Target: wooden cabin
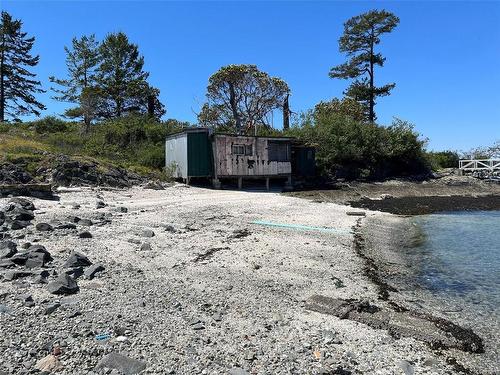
(197, 153)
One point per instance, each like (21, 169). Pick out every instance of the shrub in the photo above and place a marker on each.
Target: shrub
(50, 124)
(352, 149)
(443, 159)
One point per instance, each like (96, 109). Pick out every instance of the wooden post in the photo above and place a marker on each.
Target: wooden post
(240, 183)
(267, 183)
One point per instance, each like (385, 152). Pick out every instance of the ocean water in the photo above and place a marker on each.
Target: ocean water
(459, 256)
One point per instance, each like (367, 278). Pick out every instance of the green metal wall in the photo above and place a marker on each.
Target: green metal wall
(200, 159)
(304, 161)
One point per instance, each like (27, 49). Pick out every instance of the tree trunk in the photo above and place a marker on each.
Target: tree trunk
(372, 91)
(2, 84)
(286, 113)
(234, 107)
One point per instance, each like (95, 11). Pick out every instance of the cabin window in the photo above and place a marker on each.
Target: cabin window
(278, 151)
(238, 150)
(248, 150)
(309, 155)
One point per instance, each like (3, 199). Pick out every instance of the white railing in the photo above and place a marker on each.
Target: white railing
(480, 165)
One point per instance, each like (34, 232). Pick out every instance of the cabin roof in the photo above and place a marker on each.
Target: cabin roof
(207, 130)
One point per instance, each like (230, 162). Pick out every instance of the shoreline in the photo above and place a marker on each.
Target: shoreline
(380, 241)
(194, 285)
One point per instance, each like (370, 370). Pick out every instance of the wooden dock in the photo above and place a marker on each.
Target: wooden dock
(482, 168)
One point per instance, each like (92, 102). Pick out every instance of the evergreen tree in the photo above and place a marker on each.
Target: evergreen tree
(17, 83)
(122, 80)
(81, 61)
(361, 34)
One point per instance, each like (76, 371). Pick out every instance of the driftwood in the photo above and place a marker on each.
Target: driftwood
(31, 190)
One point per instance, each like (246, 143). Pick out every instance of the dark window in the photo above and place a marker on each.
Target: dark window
(238, 150)
(278, 151)
(248, 150)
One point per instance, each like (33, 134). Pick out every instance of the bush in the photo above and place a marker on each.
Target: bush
(443, 159)
(50, 124)
(152, 156)
(351, 149)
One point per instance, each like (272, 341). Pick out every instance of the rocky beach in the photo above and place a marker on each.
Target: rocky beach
(188, 280)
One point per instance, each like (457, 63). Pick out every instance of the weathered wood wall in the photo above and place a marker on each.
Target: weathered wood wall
(256, 164)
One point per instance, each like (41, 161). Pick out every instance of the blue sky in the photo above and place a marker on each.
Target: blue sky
(444, 56)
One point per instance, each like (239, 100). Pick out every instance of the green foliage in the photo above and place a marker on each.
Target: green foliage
(18, 84)
(347, 148)
(49, 124)
(361, 35)
(443, 159)
(240, 97)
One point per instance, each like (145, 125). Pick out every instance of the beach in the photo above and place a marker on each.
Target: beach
(221, 282)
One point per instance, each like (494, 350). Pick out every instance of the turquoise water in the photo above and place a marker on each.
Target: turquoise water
(459, 256)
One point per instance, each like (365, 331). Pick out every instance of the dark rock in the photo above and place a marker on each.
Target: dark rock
(23, 202)
(44, 227)
(146, 246)
(169, 228)
(20, 214)
(126, 365)
(12, 174)
(38, 256)
(66, 226)
(19, 224)
(93, 270)
(74, 219)
(85, 235)
(19, 258)
(27, 299)
(74, 272)
(147, 233)
(100, 204)
(15, 274)
(64, 284)
(26, 245)
(77, 259)
(51, 308)
(122, 209)
(7, 249)
(154, 185)
(85, 222)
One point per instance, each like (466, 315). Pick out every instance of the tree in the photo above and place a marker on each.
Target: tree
(241, 97)
(345, 107)
(361, 35)
(122, 80)
(81, 61)
(17, 83)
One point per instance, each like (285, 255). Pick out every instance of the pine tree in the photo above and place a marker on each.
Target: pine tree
(361, 34)
(17, 83)
(81, 61)
(122, 80)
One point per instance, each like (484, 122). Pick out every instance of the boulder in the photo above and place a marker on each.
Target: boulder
(85, 222)
(66, 226)
(19, 224)
(20, 214)
(100, 204)
(15, 274)
(146, 246)
(93, 270)
(77, 259)
(44, 227)
(49, 364)
(124, 364)
(85, 235)
(147, 233)
(50, 308)
(23, 202)
(7, 249)
(64, 284)
(75, 272)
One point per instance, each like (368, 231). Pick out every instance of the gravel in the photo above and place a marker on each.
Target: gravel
(239, 311)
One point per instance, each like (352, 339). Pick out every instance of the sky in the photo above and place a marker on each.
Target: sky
(444, 56)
